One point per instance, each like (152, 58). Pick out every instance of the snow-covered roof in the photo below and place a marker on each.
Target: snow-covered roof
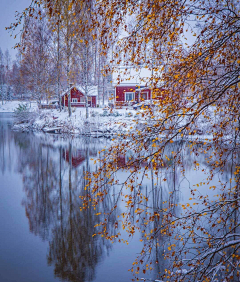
(139, 76)
(92, 90)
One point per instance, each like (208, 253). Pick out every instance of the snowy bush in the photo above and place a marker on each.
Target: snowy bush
(115, 114)
(22, 114)
(93, 114)
(128, 114)
(104, 114)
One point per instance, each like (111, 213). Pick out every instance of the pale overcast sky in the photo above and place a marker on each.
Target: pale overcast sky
(7, 16)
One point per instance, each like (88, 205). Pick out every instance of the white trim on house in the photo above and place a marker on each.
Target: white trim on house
(82, 99)
(133, 95)
(77, 103)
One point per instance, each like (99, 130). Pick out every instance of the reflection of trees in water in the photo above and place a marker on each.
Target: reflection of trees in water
(152, 207)
(150, 194)
(72, 249)
(210, 240)
(52, 188)
(162, 191)
(6, 145)
(40, 178)
(53, 185)
(222, 226)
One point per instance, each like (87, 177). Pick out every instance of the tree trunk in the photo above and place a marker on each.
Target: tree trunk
(58, 66)
(68, 64)
(86, 78)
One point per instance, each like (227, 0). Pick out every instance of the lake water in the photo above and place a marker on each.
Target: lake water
(43, 235)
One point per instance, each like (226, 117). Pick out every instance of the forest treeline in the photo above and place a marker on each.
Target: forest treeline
(52, 56)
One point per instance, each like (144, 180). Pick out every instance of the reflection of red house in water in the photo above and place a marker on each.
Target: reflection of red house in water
(78, 156)
(123, 161)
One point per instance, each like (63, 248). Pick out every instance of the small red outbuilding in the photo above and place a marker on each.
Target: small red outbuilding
(78, 96)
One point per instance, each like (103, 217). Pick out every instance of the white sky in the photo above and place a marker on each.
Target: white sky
(7, 16)
(132, 76)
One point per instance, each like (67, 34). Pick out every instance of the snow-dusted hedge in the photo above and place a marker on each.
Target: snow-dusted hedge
(22, 114)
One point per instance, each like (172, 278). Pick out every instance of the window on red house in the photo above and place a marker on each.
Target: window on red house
(143, 96)
(129, 96)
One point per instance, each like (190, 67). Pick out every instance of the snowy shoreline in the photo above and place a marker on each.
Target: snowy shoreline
(102, 122)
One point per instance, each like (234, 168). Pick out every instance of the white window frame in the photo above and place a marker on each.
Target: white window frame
(74, 100)
(144, 92)
(133, 96)
(82, 99)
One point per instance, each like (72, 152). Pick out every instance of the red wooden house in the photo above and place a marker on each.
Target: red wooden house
(131, 94)
(78, 96)
(131, 86)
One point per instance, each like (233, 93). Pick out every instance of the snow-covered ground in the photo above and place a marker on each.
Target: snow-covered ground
(101, 121)
(10, 106)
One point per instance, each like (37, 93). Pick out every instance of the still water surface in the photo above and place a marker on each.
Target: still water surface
(43, 234)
